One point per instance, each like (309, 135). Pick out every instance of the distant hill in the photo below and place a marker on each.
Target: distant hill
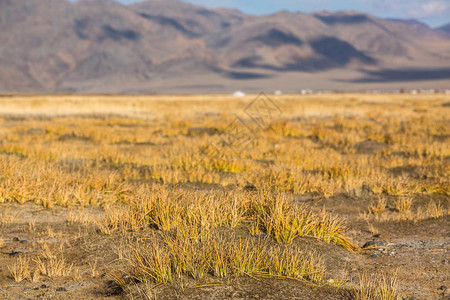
(444, 28)
(156, 46)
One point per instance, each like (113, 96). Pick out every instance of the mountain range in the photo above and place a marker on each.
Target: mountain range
(167, 46)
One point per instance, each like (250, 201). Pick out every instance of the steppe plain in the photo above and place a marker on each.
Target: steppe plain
(333, 196)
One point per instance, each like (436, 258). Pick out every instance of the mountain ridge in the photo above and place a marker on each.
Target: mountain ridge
(445, 28)
(163, 46)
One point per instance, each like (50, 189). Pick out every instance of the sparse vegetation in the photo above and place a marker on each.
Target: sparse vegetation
(53, 267)
(20, 269)
(180, 207)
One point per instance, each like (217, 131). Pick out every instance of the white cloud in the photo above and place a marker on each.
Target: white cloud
(412, 8)
(435, 8)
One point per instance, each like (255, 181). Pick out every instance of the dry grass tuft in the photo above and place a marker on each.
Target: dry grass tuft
(435, 210)
(373, 287)
(277, 215)
(379, 207)
(403, 204)
(162, 261)
(53, 267)
(20, 269)
(6, 217)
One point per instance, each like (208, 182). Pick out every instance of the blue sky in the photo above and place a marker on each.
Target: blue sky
(433, 12)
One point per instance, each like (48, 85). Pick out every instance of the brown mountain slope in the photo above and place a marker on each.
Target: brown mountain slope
(170, 46)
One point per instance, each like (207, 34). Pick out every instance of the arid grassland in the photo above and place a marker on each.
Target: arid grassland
(215, 197)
